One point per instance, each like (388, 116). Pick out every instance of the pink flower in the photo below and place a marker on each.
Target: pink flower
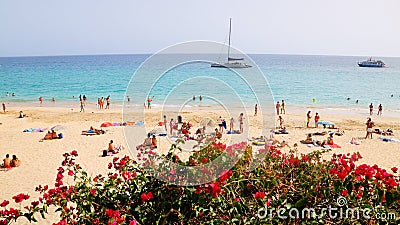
(268, 203)
(70, 173)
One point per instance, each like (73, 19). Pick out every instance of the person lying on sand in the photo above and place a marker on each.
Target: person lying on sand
(278, 144)
(96, 131)
(308, 140)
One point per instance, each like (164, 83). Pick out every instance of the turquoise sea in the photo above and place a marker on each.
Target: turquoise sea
(296, 78)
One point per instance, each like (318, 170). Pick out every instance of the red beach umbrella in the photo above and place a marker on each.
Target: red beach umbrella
(106, 124)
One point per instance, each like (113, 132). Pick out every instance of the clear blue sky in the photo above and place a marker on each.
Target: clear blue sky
(334, 27)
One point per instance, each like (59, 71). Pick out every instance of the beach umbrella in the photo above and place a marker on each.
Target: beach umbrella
(106, 124)
(58, 127)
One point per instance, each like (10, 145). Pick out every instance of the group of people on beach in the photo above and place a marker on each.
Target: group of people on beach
(9, 163)
(316, 119)
(100, 102)
(371, 109)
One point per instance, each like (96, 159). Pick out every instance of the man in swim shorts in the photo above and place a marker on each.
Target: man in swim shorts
(369, 124)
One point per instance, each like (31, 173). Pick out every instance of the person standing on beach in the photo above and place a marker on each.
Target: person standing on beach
(84, 98)
(171, 126)
(201, 98)
(278, 107)
(128, 98)
(283, 111)
(4, 107)
(108, 102)
(41, 100)
(371, 108)
(165, 123)
(82, 106)
(380, 108)
(255, 110)
(231, 124)
(149, 100)
(220, 125)
(241, 118)
(194, 97)
(316, 119)
(308, 118)
(369, 124)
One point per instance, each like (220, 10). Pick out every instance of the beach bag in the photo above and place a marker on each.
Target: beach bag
(60, 135)
(104, 153)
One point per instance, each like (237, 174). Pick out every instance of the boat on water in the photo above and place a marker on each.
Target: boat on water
(232, 62)
(371, 63)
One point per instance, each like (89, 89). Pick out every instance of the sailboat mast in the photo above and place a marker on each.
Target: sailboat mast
(229, 40)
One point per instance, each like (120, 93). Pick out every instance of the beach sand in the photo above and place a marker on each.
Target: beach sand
(40, 160)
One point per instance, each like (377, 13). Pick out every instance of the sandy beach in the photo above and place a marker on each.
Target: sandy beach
(40, 160)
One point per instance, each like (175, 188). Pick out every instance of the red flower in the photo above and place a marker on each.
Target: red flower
(146, 196)
(259, 195)
(226, 175)
(93, 191)
(70, 173)
(74, 153)
(132, 222)
(4, 203)
(20, 197)
(201, 214)
(344, 193)
(394, 169)
(205, 160)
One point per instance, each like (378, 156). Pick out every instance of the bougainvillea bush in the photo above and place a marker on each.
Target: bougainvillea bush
(281, 182)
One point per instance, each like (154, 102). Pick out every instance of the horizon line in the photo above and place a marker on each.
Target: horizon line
(109, 54)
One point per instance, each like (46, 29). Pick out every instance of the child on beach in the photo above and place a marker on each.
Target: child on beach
(316, 119)
(40, 100)
(231, 124)
(308, 118)
(4, 107)
(82, 106)
(149, 100)
(280, 122)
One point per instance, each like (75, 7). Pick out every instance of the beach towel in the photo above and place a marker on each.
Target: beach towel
(332, 146)
(35, 130)
(88, 132)
(140, 123)
(389, 139)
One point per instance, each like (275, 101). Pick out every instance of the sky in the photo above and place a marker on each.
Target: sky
(316, 27)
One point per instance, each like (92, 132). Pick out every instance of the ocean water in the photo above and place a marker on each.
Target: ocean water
(297, 79)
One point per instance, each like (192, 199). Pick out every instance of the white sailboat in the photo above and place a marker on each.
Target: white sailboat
(232, 62)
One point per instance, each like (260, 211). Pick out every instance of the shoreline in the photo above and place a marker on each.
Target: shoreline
(92, 107)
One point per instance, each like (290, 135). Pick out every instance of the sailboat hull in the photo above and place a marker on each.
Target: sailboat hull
(230, 65)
